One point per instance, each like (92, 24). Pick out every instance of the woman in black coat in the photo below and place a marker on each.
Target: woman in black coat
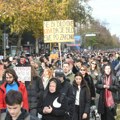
(89, 81)
(34, 89)
(107, 86)
(52, 104)
(82, 101)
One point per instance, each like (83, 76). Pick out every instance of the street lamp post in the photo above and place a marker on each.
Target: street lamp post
(5, 43)
(5, 40)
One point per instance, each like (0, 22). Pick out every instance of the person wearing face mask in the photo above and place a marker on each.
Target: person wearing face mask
(107, 85)
(11, 83)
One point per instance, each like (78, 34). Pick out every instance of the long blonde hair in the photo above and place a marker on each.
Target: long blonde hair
(50, 72)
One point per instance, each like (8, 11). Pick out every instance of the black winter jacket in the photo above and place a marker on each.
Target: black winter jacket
(48, 99)
(23, 116)
(90, 84)
(84, 102)
(34, 88)
(67, 90)
(101, 90)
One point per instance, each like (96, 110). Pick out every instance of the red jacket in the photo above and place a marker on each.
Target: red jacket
(21, 88)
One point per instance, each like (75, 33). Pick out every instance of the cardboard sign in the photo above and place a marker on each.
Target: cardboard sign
(1, 57)
(1, 71)
(24, 73)
(58, 31)
(54, 56)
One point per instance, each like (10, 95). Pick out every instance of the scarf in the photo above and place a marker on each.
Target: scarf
(109, 102)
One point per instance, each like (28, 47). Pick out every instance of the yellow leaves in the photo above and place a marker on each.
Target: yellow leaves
(30, 14)
(62, 9)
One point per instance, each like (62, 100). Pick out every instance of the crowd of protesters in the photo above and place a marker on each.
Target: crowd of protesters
(86, 79)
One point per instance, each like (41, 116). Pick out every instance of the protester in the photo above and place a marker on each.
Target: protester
(14, 102)
(34, 88)
(23, 62)
(89, 80)
(107, 86)
(104, 61)
(113, 60)
(7, 63)
(117, 74)
(45, 60)
(68, 72)
(52, 105)
(14, 62)
(70, 61)
(12, 83)
(46, 76)
(94, 70)
(77, 65)
(83, 100)
(67, 90)
(38, 67)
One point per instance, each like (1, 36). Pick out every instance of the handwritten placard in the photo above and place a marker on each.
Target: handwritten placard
(58, 31)
(1, 57)
(24, 73)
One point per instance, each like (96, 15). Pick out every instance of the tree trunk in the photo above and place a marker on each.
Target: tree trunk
(37, 46)
(18, 49)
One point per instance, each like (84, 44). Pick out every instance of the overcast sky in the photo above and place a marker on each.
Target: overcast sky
(108, 11)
